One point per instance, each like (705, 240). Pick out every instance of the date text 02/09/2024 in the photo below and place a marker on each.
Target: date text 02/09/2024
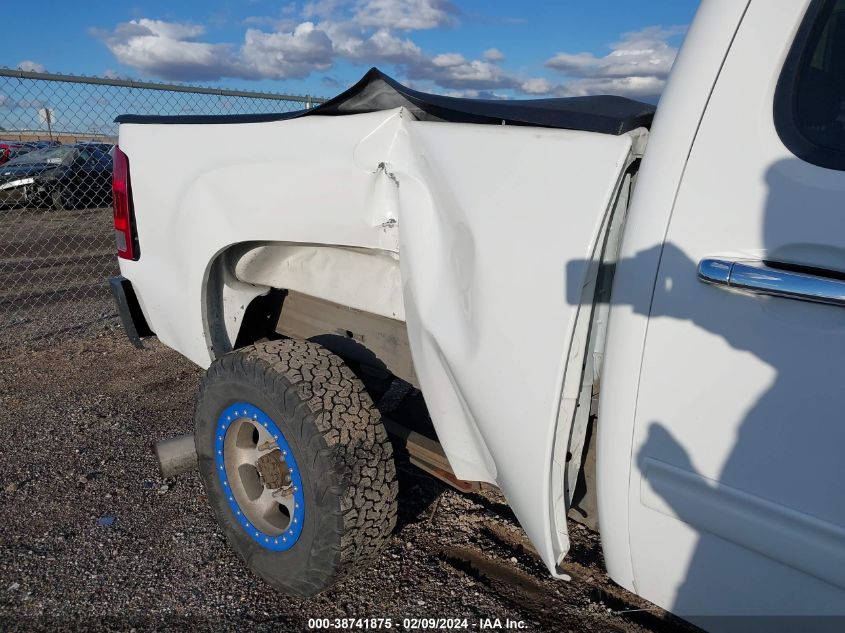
(416, 624)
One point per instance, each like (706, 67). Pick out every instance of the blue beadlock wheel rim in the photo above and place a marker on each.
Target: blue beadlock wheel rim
(237, 413)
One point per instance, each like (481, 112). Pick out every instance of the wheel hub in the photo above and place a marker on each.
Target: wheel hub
(273, 471)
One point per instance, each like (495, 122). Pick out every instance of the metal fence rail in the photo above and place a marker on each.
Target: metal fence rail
(56, 237)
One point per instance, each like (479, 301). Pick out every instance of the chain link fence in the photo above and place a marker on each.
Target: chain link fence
(56, 236)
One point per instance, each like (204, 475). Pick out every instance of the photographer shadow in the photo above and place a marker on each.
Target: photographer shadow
(780, 445)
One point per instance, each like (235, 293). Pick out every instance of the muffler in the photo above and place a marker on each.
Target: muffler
(176, 455)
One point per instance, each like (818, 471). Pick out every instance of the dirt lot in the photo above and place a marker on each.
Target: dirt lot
(92, 538)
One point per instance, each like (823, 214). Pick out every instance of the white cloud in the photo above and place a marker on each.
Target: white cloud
(637, 65)
(170, 30)
(287, 54)
(493, 55)
(537, 86)
(446, 60)
(324, 9)
(475, 94)
(378, 32)
(405, 15)
(167, 50)
(574, 63)
(472, 74)
(457, 74)
(30, 66)
(633, 87)
(380, 47)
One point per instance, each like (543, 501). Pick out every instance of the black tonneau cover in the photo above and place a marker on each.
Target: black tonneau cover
(376, 91)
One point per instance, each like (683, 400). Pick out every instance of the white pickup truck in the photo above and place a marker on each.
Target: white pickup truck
(639, 324)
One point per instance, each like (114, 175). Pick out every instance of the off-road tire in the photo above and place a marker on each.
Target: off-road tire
(338, 441)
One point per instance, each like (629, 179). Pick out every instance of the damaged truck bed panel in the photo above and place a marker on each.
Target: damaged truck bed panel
(463, 231)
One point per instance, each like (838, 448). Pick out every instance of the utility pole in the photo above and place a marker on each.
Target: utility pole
(47, 115)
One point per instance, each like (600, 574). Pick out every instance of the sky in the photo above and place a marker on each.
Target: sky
(475, 48)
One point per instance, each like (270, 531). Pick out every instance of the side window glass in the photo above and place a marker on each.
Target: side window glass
(810, 100)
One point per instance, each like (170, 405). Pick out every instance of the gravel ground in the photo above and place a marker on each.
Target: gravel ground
(91, 538)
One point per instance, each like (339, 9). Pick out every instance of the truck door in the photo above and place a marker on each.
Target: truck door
(737, 493)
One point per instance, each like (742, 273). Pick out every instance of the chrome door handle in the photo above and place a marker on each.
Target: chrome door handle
(758, 278)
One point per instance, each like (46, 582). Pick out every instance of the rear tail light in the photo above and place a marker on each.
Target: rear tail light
(124, 216)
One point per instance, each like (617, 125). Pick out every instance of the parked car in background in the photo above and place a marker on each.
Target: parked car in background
(9, 150)
(42, 144)
(70, 176)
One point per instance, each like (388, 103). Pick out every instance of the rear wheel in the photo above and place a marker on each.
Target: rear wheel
(296, 463)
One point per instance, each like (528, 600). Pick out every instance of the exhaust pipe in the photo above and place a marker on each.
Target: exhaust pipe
(176, 456)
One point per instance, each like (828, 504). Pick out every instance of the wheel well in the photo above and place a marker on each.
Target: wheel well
(361, 337)
(373, 347)
(260, 318)
(249, 283)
